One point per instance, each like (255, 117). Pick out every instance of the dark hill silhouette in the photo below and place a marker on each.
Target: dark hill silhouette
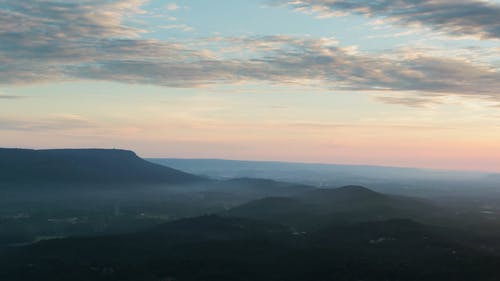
(83, 166)
(278, 209)
(319, 207)
(362, 199)
(336, 195)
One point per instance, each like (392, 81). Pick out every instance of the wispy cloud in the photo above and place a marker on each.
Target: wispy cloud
(9, 97)
(408, 100)
(298, 61)
(53, 123)
(474, 18)
(183, 27)
(172, 6)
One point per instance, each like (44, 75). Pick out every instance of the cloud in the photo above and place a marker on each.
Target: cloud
(10, 97)
(474, 18)
(54, 123)
(172, 7)
(65, 20)
(50, 40)
(408, 100)
(38, 38)
(296, 61)
(183, 27)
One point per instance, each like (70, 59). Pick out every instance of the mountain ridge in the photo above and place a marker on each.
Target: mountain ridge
(83, 166)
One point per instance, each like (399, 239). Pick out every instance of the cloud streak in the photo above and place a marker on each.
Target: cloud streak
(54, 123)
(455, 17)
(9, 97)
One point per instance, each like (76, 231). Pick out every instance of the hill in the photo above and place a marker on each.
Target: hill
(352, 198)
(83, 166)
(317, 207)
(261, 187)
(275, 209)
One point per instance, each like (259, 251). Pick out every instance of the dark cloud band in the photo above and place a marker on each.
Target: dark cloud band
(455, 17)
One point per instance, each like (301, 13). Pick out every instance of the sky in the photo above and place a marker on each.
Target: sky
(411, 83)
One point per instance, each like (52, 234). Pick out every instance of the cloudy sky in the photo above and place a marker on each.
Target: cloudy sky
(399, 83)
